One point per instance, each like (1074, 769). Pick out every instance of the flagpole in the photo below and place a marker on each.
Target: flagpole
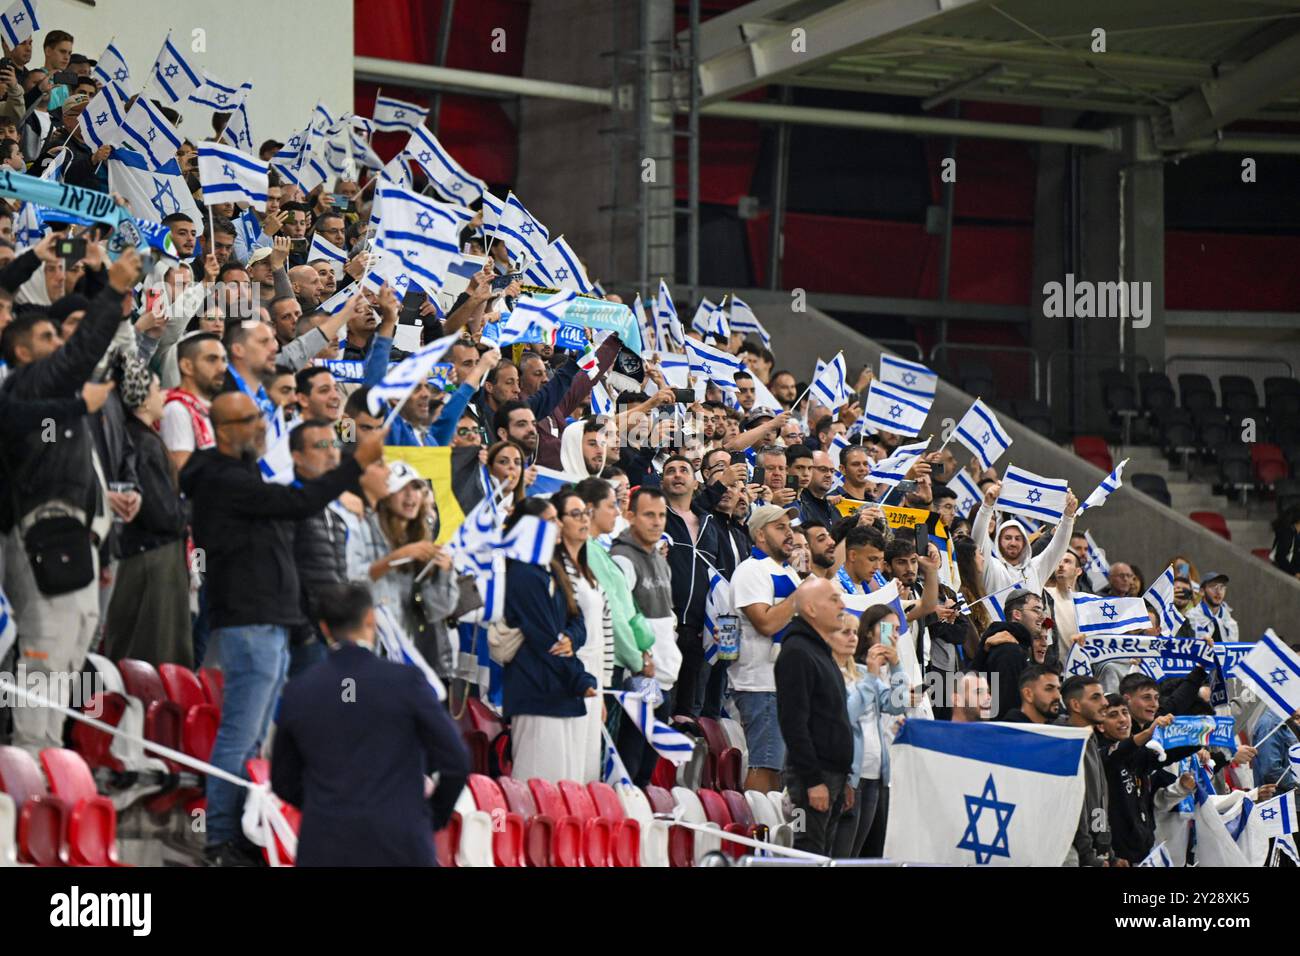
(814, 381)
(1258, 744)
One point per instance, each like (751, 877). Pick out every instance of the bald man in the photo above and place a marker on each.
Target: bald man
(812, 710)
(306, 285)
(243, 529)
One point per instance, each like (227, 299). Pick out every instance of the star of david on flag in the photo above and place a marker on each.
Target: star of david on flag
(981, 432)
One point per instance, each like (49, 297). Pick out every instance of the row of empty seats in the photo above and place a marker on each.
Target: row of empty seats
(69, 824)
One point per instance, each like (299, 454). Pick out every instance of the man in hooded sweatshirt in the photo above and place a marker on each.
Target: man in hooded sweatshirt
(584, 447)
(1008, 558)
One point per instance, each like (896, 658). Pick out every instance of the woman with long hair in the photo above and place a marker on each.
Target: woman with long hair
(970, 566)
(597, 652)
(544, 685)
(505, 465)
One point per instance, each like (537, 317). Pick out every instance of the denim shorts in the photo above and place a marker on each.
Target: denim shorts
(762, 732)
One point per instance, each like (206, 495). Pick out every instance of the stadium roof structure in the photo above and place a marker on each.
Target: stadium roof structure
(1193, 68)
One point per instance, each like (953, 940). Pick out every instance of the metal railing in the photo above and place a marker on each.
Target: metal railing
(902, 347)
(1231, 360)
(1024, 350)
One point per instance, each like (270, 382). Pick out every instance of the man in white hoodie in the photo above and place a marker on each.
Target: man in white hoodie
(584, 446)
(1011, 560)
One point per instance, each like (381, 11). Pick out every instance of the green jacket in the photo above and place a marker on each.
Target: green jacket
(632, 635)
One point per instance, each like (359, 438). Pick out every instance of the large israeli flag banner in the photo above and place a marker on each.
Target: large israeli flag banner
(985, 794)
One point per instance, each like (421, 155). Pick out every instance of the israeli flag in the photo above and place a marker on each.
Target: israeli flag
(447, 175)
(711, 320)
(1159, 856)
(830, 386)
(601, 402)
(531, 540)
(676, 369)
(613, 771)
(395, 644)
(550, 480)
(1215, 846)
(668, 328)
(522, 233)
(1097, 568)
(423, 233)
(1112, 482)
(363, 153)
(1161, 596)
(219, 96)
(1024, 493)
(276, 464)
(237, 130)
(306, 175)
(744, 320)
(968, 493)
(670, 744)
(564, 268)
(700, 321)
(1112, 615)
(1272, 671)
(998, 597)
(893, 411)
(322, 248)
(152, 193)
(984, 794)
(403, 377)
(543, 312)
(981, 432)
(713, 363)
(392, 115)
(894, 469)
(148, 130)
(227, 175)
(173, 74)
(101, 121)
(290, 154)
(8, 625)
(111, 68)
(1275, 817)
(472, 542)
(19, 22)
(910, 377)
(1285, 848)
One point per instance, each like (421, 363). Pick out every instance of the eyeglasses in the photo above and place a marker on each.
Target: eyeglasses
(327, 443)
(466, 432)
(577, 515)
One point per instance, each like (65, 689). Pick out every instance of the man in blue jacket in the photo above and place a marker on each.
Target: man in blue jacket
(357, 743)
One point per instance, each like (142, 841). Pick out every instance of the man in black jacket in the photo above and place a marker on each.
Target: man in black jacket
(54, 473)
(693, 554)
(812, 709)
(357, 762)
(244, 527)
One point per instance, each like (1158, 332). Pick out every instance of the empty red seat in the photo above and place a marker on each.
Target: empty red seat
(1213, 521)
(726, 758)
(1264, 554)
(681, 841)
(95, 745)
(199, 730)
(214, 684)
(597, 832)
(665, 774)
(743, 815)
(259, 771)
(539, 828)
(42, 818)
(625, 847)
(1090, 445)
(507, 827)
(715, 808)
(92, 820)
(567, 839)
(1266, 451)
(164, 721)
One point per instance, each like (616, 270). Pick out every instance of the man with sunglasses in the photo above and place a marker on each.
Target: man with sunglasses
(244, 526)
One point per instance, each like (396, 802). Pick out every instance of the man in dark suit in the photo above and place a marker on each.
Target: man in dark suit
(357, 740)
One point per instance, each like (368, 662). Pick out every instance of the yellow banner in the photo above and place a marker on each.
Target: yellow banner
(433, 464)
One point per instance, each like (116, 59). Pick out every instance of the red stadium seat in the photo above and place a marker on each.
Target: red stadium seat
(94, 744)
(1213, 521)
(665, 774)
(259, 771)
(92, 820)
(164, 721)
(214, 683)
(715, 808)
(507, 827)
(1264, 554)
(199, 731)
(446, 840)
(597, 832)
(539, 828)
(1104, 462)
(625, 849)
(681, 842)
(42, 818)
(741, 814)
(726, 758)
(1086, 445)
(567, 839)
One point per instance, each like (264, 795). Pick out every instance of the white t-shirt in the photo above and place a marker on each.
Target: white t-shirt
(758, 580)
(175, 427)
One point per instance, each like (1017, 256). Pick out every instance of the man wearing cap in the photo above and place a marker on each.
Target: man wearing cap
(1212, 617)
(762, 589)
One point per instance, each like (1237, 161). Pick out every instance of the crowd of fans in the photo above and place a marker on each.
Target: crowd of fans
(136, 404)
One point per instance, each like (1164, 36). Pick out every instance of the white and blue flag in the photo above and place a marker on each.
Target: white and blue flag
(8, 625)
(668, 327)
(998, 598)
(987, 794)
(1110, 615)
(744, 321)
(322, 248)
(1161, 597)
(237, 130)
(363, 154)
(890, 471)
(670, 744)
(147, 130)
(544, 313)
(700, 321)
(1215, 845)
(101, 121)
(830, 386)
(1159, 856)
(719, 613)
(1024, 493)
(19, 22)
(447, 175)
(220, 96)
(152, 193)
(550, 480)
(893, 411)
(111, 67)
(395, 644)
(711, 320)
(1112, 482)
(227, 175)
(1096, 568)
(910, 377)
(1272, 671)
(173, 74)
(714, 364)
(403, 377)
(392, 115)
(422, 232)
(968, 493)
(276, 464)
(981, 432)
(522, 233)
(564, 268)
(531, 540)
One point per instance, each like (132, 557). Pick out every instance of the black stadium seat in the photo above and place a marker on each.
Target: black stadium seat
(1152, 485)
(1156, 391)
(1034, 415)
(1237, 385)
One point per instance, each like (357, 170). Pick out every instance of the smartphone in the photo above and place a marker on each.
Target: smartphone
(738, 458)
(7, 64)
(71, 251)
(342, 203)
(501, 283)
(298, 245)
(886, 634)
(792, 482)
(65, 78)
(906, 486)
(760, 473)
(151, 298)
(922, 539)
(684, 396)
